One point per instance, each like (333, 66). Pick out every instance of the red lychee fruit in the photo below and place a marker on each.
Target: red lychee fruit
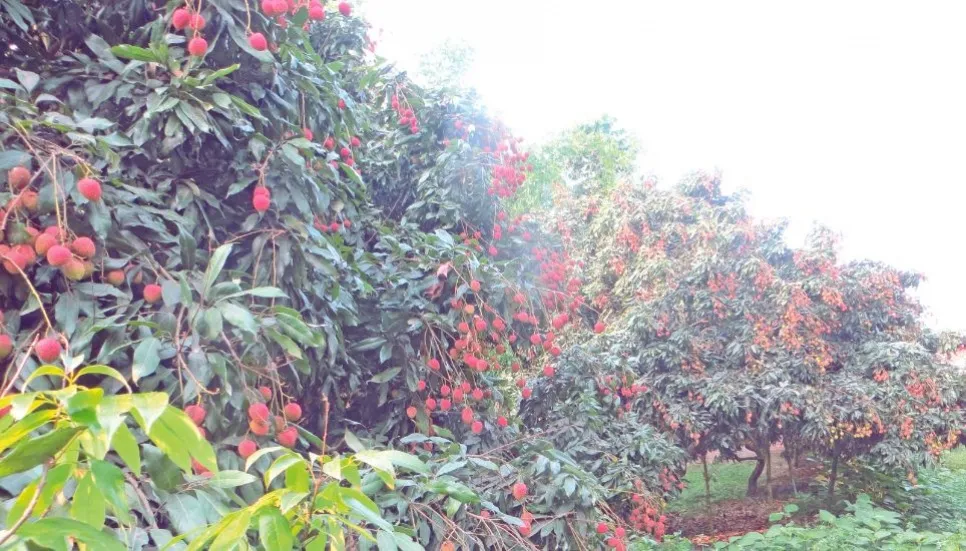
(259, 427)
(257, 42)
(527, 392)
(411, 412)
(421, 386)
(265, 392)
(288, 437)
(548, 371)
(83, 247)
(47, 349)
(599, 327)
(115, 277)
(519, 491)
(477, 427)
(445, 404)
(196, 413)
(58, 255)
(467, 415)
(345, 9)
(197, 22)
(501, 421)
(261, 202)
(197, 46)
(430, 404)
(259, 412)
(90, 189)
(74, 270)
(180, 18)
(316, 12)
(292, 411)
(246, 448)
(6, 346)
(475, 286)
(151, 293)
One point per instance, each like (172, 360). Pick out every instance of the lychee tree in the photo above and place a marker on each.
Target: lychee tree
(239, 206)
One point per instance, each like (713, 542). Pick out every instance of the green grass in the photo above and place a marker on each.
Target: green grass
(728, 481)
(955, 460)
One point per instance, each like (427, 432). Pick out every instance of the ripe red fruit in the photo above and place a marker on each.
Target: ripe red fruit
(421, 386)
(620, 532)
(258, 42)
(43, 243)
(433, 364)
(58, 255)
(411, 412)
(197, 22)
(18, 177)
(548, 371)
(316, 12)
(258, 426)
(535, 339)
(519, 491)
(467, 415)
(445, 404)
(477, 427)
(90, 189)
(527, 393)
(501, 421)
(475, 286)
(246, 448)
(480, 324)
(430, 404)
(613, 542)
(180, 18)
(341, 104)
(329, 143)
(6, 346)
(151, 293)
(115, 277)
(261, 190)
(345, 9)
(196, 413)
(477, 394)
(599, 327)
(265, 392)
(292, 411)
(602, 528)
(47, 349)
(198, 468)
(347, 223)
(83, 247)
(288, 437)
(463, 327)
(355, 142)
(458, 395)
(307, 134)
(345, 152)
(197, 46)
(445, 390)
(524, 530)
(261, 202)
(258, 412)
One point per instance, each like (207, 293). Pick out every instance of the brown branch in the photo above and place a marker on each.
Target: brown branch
(143, 499)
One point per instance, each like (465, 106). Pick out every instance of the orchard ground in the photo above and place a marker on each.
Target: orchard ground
(730, 512)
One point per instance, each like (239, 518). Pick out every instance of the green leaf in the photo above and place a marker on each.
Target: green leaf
(88, 504)
(215, 266)
(127, 448)
(110, 481)
(826, 517)
(239, 317)
(30, 453)
(280, 465)
(54, 532)
(260, 292)
(102, 370)
(274, 531)
(385, 376)
(233, 531)
(402, 459)
(178, 437)
(261, 453)
(44, 371)
(150, 405)
(231, 479)
(775, 517)
(28, 79)
(126, 51)
(24, 427)
(146, 358)
(219, 73)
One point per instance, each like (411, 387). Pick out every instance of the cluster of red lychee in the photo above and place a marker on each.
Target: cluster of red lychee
(261, 421)
(509, 169)
(616, 541)
(186, 18)
(644, 518)
(261, 199)
(405, 113)
(332, 227)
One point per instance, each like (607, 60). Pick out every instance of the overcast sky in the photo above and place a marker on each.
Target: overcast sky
(852, 114)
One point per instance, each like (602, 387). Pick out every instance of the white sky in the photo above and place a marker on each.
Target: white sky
(849, 113)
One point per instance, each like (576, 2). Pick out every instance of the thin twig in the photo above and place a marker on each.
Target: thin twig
(143, 498)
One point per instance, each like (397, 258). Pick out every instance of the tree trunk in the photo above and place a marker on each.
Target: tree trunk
(707, 479)
(791, 470)
(755, 475)
(833, 475)
(771, 494)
